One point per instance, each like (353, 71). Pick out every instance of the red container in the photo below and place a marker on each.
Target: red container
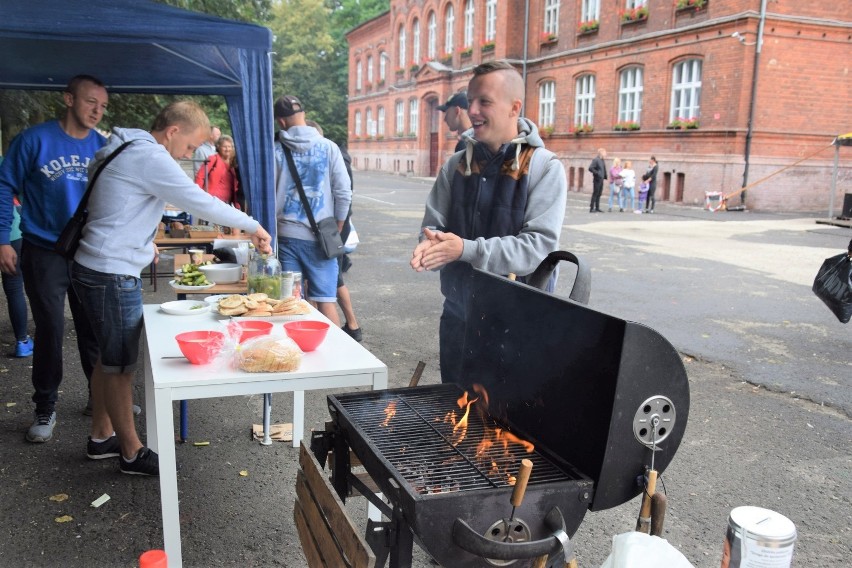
(253, 328)
(153, 559)
(200, 347)
(307, 334)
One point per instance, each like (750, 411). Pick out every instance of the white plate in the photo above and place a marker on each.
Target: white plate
(215, 299)
(176, 286)
(185, 307)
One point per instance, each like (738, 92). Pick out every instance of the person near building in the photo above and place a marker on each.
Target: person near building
(13, 288)
(46, 169)
(125, 208)
(650, 176)
(328, 191)
(628, 185)
(497, 206)
(344, 298)
(456, 117)
(615, 184)
(201, 156)
(220, 178)
(598, 170)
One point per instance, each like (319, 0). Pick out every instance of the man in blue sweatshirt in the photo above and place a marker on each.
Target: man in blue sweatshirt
(497, 206)
(46, 168)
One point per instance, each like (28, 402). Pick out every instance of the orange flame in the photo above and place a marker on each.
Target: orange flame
(390, 412)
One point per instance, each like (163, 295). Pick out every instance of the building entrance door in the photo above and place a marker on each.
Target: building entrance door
(434, 131)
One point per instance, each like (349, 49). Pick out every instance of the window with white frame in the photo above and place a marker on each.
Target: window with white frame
(449, 29)
(551, 17)
(415, 47)
(371, 126)
(432, 31)
(636, 4)
(400, 118)
(359, 75)
(357, 123)
(383, 66)
(546, 103)
(413, 116)
(490, 20)
(590, 11)
(401, 60)
(380, 121)
(630, 89)
(469, 14)
(584, 101)
(686, 89)
(369, 68)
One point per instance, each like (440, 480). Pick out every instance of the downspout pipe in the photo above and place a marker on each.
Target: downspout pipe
(753, 103)
(526, 51)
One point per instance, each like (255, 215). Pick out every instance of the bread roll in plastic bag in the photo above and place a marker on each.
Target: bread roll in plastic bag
(268, 354)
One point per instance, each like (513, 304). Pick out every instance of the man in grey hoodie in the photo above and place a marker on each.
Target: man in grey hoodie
(497, 206)
(125, 208)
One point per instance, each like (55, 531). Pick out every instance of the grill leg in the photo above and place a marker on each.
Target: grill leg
(403, 542)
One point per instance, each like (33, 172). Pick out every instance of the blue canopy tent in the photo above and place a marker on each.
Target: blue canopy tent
(142, 47)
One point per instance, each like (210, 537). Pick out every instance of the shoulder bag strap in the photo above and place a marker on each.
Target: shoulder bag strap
(85, 200)
(294, 173)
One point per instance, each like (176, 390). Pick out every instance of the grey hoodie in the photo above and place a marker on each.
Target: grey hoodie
(127, 202)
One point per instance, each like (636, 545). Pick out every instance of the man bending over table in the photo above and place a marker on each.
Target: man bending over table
(125, 208)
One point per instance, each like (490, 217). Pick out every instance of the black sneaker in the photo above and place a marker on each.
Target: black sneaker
(147, 462)
(353, 333)
(109, 448)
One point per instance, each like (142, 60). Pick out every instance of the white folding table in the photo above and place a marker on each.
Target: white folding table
(339, 362)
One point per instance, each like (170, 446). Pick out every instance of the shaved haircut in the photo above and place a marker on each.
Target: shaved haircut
(511, 77)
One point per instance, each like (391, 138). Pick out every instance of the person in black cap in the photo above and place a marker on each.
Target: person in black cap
(455, 115)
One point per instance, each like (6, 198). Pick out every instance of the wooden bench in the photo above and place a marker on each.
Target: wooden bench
(329, 537)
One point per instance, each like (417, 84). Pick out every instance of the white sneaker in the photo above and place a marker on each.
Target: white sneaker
(41, 429)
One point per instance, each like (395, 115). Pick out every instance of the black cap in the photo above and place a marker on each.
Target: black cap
(458, 99)
(288, 105)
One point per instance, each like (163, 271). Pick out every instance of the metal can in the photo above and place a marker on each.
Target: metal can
(286, 284)
(758, 538)
(297, 285)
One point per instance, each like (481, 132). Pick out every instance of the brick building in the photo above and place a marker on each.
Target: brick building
(672, 78)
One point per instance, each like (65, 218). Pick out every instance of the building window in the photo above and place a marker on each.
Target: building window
(591, 11)
(449, 29)
(686, 89)
(383, 70)
(413, 116)
(546, 103)
(415, 47)
(490, 20)
(380, 121)
(432, 48)
(357, 123)
(400, 118)
(469, 14)
(359, 75)
(630, 95)
(370, 69)
(551, 17)
(584, 101)
(635, 4)
(371, 126)
(401, 59)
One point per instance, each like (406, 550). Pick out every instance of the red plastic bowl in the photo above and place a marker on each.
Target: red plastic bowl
(253, 328)
(200, 347)
(307, 334)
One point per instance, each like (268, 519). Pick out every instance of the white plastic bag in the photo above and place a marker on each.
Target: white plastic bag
(352, 240)
(639, 550)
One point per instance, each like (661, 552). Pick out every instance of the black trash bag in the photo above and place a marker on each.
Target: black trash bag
(833, 285)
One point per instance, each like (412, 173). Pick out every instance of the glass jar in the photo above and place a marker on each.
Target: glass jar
(264, 275)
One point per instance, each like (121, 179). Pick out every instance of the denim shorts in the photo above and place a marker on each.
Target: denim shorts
(307, 257)
(113, 305)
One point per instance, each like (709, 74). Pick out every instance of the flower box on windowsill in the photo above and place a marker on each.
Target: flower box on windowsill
(633, 16)
(588, 27)
(447, 60)
(690, 5)
(488, 47)
(548, 38)
(380, 84)
(583, 129)
(683, 124)
(466, 52)
(626, 126)
(400, 73)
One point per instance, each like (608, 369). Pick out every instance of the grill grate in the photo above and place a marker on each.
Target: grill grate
(419, 441)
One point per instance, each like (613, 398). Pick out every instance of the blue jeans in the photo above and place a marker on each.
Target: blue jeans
(627, 192)
(613, 196)
(13, 287)
(307, 257)
(113, 305)
(47, 281)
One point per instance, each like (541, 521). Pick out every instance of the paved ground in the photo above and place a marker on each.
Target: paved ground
(769, 374)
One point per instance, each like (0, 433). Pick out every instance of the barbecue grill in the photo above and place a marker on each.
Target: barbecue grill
(585, 396)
